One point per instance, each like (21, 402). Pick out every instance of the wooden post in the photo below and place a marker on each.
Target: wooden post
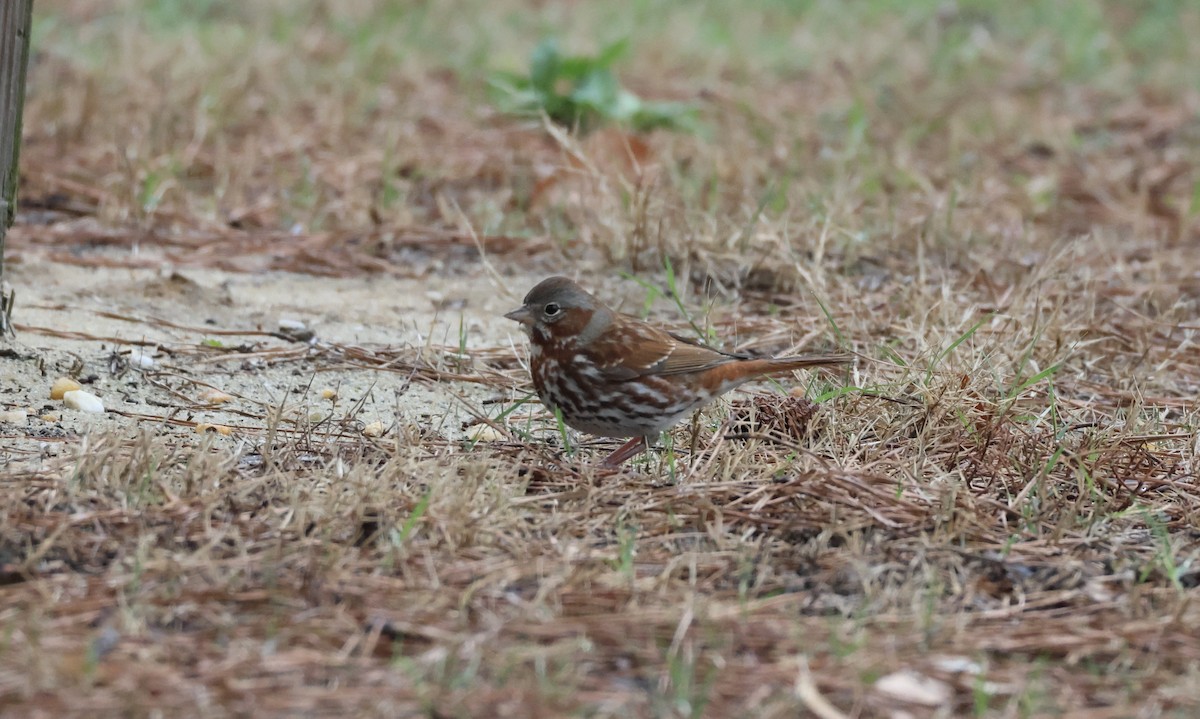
(15, 19)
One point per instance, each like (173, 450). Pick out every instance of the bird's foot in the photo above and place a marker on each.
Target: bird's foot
(627, 451)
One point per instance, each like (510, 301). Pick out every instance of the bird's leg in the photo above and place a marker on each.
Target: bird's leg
(632, 448)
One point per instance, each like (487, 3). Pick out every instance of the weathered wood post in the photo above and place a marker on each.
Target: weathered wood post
(15, 20)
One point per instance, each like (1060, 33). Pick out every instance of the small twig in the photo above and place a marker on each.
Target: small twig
(807, 692)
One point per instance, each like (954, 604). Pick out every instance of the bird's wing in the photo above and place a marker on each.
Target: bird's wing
(698, 343)
(637, 349)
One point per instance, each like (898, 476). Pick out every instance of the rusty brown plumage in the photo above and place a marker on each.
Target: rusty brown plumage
(615, 376)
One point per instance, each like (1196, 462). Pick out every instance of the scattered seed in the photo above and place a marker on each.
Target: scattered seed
(82, 401)
(62, 385)
(142, 357)
(14, 416)
(488, 433)
(214, 396)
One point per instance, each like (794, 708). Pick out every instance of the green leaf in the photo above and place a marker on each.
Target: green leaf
(544, 65)
(597, 91)
(612, 53)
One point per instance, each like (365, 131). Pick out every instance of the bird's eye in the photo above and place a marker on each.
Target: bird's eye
(552, 309)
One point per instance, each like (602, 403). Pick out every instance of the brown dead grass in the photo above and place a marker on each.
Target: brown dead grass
(999, 499)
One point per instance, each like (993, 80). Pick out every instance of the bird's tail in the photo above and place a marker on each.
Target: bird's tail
(787, 364)
(730, 374)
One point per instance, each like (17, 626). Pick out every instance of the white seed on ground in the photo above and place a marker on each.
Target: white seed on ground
(959, 664)
(82, 401)
(214, 396)
(142, 357)
(916, 688)
(14, 416)
(374, 429)
(61, 386)
(290, 325)
(488, 433)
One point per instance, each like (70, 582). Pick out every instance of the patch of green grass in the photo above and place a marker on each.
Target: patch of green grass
(689, 685)
(582, 92)
(563, 432)
(937, 361)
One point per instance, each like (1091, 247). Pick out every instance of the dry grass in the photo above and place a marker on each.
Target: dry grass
(994, 513)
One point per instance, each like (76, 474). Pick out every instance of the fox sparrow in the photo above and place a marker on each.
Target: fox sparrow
(613, 375)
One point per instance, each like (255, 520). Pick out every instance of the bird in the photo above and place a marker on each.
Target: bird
(613, 375)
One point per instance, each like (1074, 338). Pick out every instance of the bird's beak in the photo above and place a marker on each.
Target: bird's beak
(522, 315)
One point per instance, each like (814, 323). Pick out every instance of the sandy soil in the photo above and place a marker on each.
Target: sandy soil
(62, 334)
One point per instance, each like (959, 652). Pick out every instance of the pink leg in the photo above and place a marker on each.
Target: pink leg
(630, 449)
